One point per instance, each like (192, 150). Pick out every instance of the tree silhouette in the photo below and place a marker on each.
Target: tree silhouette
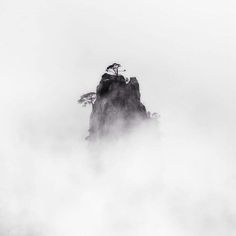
(87, 99)
(114, 68)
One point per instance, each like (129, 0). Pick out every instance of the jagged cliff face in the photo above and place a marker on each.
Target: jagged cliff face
(117, 106)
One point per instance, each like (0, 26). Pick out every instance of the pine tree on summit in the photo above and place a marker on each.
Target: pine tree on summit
(114, 69)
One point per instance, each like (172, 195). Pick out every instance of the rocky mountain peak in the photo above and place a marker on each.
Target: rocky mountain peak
(116, 105)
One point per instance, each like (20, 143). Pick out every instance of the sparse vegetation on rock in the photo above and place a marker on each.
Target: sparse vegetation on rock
(116, 105)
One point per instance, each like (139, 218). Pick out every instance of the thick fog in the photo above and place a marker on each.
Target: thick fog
(173, 177)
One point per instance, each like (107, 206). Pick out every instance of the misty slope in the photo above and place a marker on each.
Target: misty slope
(117, 106)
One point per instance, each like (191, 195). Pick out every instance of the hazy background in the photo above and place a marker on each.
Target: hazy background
(174, 179)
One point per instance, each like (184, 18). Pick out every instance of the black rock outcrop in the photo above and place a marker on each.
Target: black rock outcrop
(117, 106)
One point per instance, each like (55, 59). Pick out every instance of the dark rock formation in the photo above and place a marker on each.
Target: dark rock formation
(117, 106)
